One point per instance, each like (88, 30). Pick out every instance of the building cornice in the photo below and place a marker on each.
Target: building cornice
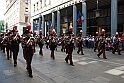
(58, 7)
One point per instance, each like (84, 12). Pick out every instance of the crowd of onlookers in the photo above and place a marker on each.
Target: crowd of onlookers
(89, 42)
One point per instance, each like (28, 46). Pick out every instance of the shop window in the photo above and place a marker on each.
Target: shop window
(105, 14)
(120, 9)
(120, 28)
(108, 11)
(88, 15)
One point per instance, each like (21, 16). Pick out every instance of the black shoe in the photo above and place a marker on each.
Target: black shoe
(15, 65)
(105, 58)
(77, 52)
(119, 54)
(72, 64)
(31, 76)
(53, 58)
(66, 61)
(113, 52)
(98, 55)
(82, 54)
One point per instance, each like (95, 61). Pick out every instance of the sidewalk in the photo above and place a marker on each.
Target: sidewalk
(88, 68)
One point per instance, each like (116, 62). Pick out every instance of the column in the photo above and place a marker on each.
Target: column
(74, 19)
(53, 21)
(33, 24)
(39, 23)
(84, 24)
(58, 23)
(114, 13)
(43, 24)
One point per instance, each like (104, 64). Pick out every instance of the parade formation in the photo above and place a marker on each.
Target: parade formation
(10, 42)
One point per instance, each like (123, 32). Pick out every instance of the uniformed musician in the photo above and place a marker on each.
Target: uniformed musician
(80, 43)
(28, 45)
(116, 44)
(15, 44)
(101, 45)
(41, 42)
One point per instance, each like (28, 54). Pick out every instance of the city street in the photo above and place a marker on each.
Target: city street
(88, 68)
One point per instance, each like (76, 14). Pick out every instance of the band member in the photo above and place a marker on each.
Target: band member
(116, 45)
(52, 47)
(36, 38)
(80, 43)
(10, 42)
(3, 42)
(15, 44)
(69, 50)
(96, 41)
(52, 44)
(41, 42)
(28, 45)
(47, 42)
(63, 44)
(69, 47)
(8, 47)
(102, 47)
(24, 50)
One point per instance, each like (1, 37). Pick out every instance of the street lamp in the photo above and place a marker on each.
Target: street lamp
(97, 11)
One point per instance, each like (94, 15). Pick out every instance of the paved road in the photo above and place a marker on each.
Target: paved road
(88, 68)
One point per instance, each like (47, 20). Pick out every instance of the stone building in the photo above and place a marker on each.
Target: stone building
(17, 14)
(98, 15)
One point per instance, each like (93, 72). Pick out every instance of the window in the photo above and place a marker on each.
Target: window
(108, 11)
(34, 7)
(41, 3)
(26, 9)
(26, 18)
(37, 5)
(120, 9)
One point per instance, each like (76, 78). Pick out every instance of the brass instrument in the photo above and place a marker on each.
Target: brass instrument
(30, 39)
(3, 39)
(15, 37)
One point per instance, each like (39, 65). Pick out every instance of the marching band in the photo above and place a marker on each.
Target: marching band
(10, 42)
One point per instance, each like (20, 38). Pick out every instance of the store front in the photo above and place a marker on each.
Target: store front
(64, 15)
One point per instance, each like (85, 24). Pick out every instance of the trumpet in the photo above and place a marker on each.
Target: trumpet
(29, 40)
(3, 39)
(15, 36)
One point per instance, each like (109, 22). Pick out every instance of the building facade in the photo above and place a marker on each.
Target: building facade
(60, 14)
(17, 14)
